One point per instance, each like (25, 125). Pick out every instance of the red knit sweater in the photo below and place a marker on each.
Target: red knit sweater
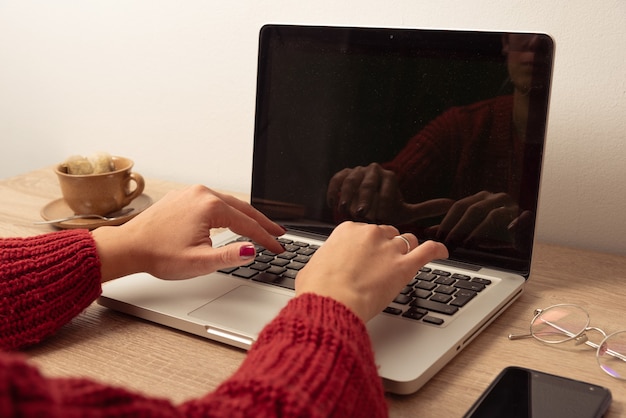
(314, 359)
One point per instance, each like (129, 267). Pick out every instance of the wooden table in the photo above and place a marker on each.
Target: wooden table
(123, 350)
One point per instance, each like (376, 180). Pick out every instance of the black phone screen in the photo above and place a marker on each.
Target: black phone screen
(522, 393)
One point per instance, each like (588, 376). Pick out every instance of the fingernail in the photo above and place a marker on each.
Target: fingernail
(247, 251)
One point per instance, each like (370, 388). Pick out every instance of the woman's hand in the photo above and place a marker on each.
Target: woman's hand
(171, 239)
(364, 266)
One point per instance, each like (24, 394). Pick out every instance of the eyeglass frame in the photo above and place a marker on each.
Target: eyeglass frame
(579, 338)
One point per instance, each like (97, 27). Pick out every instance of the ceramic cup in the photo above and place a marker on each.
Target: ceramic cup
(100, 194)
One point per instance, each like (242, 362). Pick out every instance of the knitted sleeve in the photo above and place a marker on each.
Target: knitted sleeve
(315, 360)
(45, 281)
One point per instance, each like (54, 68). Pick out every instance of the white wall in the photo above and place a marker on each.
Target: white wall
(172, 85)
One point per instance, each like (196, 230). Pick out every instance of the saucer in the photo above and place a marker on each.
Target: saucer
(59, 209)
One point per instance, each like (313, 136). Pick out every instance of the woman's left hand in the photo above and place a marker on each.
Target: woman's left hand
(172, 238)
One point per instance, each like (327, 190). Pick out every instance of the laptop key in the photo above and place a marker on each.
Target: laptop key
(276, 270)
(429, 277)
(421, 293)
(445, 280)
(433, 306)
(476, 287)
(447, 290)
(406, 290)
(287, 255)
(245, 272)
(461, 301)
(262, 258)
(301, 259)
(402, 299)
(415, 313)
(426, 285)
(486, 282)
(393, 311)
(266, 277)
(465, 292)
(291, 274)
(260, 266)
(306, 251)
(281, 262)
(460, 276)
(291, 248)
(276, 280)
(441, 297)
(294, 265)
(286, 282)
(433, 320)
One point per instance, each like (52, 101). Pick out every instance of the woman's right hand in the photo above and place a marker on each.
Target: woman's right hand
(364, 266)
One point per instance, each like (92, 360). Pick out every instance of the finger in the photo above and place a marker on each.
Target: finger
(205, 260)
(231, 255)
(245, 208)
(427, 252)
(242, 224)
(407, 247)
(413, 241)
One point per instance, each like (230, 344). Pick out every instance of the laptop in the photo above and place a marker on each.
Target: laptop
(458, 115)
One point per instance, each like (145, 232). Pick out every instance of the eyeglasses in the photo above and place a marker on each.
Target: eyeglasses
(565, 322)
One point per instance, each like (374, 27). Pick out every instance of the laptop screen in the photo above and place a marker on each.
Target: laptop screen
(439, 133)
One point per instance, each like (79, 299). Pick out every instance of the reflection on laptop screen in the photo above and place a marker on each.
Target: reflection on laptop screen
(438, 133)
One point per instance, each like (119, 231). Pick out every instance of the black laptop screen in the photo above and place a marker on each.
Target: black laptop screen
(439, 133)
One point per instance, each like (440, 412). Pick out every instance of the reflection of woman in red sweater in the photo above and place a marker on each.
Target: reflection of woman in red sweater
(461, 175)
(314, 359)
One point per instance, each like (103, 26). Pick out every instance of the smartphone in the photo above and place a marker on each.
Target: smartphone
(520, 393)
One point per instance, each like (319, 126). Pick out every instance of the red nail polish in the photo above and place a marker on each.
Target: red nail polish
(247, 251)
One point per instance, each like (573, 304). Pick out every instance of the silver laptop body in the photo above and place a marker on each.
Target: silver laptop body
(330, 98)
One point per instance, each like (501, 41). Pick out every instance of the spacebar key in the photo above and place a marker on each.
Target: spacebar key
(432, 306)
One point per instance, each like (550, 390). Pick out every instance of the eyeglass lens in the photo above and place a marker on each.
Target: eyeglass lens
(559, 323)
(612, 355)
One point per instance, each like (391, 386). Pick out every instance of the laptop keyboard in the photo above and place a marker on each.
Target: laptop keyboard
(430, 291)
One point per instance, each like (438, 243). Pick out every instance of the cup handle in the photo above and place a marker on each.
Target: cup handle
(139, 186)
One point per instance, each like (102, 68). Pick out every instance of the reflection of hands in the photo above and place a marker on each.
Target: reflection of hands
(372, 194)
(352, 266)
(171, 239)
(482, 220)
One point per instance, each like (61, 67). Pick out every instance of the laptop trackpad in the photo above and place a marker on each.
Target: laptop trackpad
(244, 310)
